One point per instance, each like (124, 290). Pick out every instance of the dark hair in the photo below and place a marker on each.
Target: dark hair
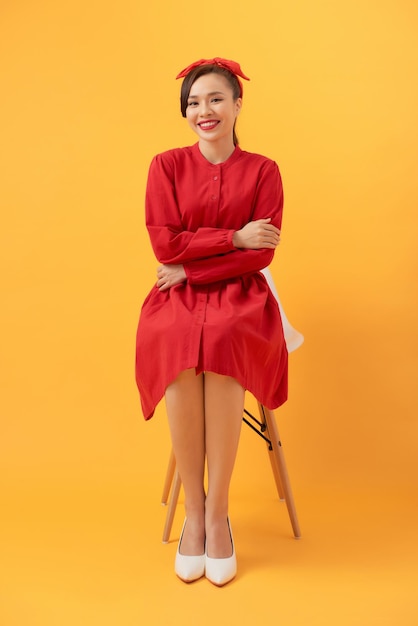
(201, 71)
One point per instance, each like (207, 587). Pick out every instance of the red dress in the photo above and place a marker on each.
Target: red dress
(224, 318)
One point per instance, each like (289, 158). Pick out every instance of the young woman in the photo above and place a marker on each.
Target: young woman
(210, 328)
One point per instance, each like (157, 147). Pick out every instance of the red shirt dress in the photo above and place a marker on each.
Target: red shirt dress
(223, 318)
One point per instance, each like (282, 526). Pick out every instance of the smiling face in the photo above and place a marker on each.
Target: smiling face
(211, 109)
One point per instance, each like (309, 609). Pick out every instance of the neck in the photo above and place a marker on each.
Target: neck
(216, 152)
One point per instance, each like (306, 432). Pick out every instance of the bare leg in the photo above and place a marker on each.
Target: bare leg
(185, 408)
(224, 404)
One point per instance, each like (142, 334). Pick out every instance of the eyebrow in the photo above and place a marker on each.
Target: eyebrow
(212, 93)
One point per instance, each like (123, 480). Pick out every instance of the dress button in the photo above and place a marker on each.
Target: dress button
(215, 178)
(213, 197)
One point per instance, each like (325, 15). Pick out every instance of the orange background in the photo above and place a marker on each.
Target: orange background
(88, 96)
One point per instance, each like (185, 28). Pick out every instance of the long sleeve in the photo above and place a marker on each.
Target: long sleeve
(237, 263)
(171, 242)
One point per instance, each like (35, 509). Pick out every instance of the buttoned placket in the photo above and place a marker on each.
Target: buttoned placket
(214, 195)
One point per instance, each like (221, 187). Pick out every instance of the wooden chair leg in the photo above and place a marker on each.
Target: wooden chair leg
(272, 458)
(277, 452)
(175, 492)
(168, 478)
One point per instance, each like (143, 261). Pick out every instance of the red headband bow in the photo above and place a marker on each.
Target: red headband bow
(231, 66)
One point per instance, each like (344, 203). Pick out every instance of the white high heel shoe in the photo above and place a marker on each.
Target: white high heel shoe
(221, 571)
(188, 568)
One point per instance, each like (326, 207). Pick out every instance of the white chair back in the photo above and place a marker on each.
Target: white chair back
(294, 339)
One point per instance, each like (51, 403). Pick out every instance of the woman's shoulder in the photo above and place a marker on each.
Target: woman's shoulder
(260, 159)
(170, 161)
(174, 155)
(259, 164)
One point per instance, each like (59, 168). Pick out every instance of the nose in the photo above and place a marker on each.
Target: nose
(205, 109)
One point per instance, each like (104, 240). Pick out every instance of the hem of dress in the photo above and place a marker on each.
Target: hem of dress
(268, 402)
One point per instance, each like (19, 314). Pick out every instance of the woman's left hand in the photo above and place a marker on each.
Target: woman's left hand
(170, 275)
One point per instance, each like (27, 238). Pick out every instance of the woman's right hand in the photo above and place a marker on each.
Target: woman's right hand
(257, 235)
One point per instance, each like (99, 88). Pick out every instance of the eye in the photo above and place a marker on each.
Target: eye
(192, 103)
(217, 100)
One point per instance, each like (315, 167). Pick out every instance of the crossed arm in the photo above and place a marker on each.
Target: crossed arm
(256, 235)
